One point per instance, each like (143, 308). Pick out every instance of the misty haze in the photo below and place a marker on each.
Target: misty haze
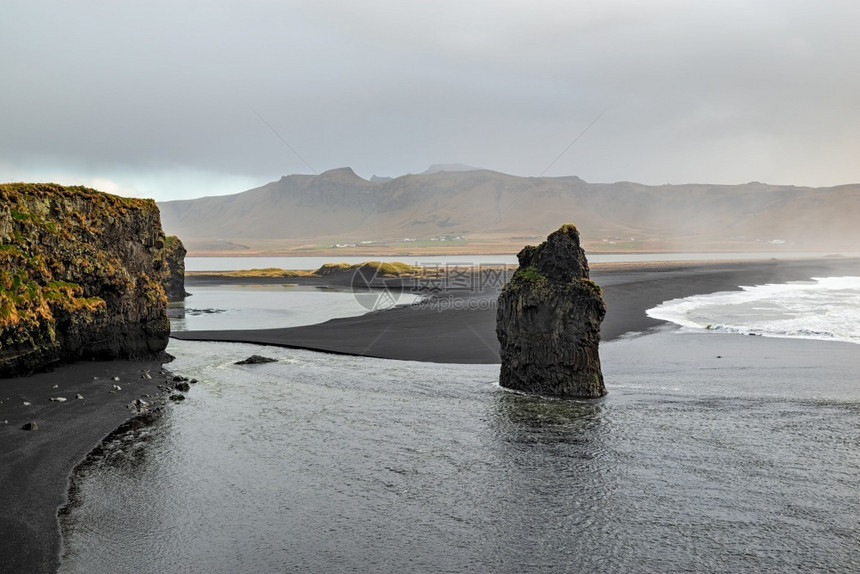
(480, 211)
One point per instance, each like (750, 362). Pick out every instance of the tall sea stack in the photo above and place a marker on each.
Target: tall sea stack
(81, 277)
(548, 321)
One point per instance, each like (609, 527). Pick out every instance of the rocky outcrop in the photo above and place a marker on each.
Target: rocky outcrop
(80, 277)
(548, 321)
(256, 360)
(173, 255)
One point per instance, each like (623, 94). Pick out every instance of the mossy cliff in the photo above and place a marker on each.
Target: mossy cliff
(81, 276)
(548, 321)
(173, 255)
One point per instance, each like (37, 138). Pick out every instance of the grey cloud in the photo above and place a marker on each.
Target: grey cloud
(724, 92)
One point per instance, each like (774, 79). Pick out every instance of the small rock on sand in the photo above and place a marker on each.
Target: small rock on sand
(139, 405)
(30, 426)
(256, 360)
(58, 399)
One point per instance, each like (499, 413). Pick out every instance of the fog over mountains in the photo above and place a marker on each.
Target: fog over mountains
(472, 210)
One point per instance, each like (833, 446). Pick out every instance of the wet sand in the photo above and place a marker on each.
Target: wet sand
(35, 464)
(459, 326)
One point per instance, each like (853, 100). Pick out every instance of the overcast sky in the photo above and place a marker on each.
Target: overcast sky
(178, 99)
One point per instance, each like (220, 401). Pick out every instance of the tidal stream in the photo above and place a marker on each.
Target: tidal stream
(318, 463)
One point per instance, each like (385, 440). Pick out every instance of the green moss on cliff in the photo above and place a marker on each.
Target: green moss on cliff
(568, 229)
(74, 263)
(529, 275)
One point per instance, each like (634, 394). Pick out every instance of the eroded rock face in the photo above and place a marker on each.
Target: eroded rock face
(548, 321)
(174, 260)
(80, 277)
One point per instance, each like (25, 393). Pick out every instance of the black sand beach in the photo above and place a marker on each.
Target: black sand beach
(459, 326)
(35, 465)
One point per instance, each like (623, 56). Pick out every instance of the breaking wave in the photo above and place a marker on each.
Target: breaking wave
(825, 308)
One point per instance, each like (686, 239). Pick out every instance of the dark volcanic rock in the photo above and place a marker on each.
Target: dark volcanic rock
(80, 277)
(173, 255)
(548, 321)
(255, 360)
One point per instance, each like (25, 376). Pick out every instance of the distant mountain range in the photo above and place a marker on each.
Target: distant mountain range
(455, 208)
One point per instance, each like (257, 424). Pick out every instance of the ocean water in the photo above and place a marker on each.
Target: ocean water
(712, 452)
(825, 308)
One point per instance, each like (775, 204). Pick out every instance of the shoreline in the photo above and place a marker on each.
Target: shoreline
(36, 465)
(458, 326)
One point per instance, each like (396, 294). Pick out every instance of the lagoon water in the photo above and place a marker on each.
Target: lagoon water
(272, 306)
(713, 452)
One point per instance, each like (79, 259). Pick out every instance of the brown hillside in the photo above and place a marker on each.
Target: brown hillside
(491, 211)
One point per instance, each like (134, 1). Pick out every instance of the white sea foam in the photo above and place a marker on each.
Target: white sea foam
(823, 308)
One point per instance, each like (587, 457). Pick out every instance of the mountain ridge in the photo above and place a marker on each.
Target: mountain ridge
(488, 209)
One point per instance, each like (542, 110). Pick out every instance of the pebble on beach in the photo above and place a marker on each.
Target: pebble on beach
(138, 405)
